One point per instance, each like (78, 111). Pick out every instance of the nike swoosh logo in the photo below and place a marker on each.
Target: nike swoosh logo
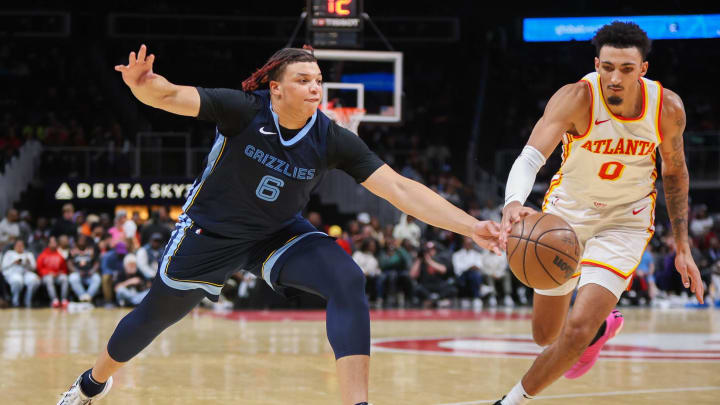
(635, 212)
(262, 131)
(600, 122)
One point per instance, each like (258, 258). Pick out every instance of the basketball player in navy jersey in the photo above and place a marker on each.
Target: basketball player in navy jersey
(271, 149)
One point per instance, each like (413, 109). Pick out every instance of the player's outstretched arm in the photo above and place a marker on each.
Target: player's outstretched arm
(419, 201)
(567, 110)
(676, 182)
(154, 90)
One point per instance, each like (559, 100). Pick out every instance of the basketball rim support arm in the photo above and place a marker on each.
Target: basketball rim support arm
(522, 175)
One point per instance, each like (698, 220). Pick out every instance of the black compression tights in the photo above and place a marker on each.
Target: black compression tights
(160, 309)
(318, 266)
(321, 267)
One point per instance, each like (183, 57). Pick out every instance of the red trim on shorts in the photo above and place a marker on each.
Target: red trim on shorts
(606, 267)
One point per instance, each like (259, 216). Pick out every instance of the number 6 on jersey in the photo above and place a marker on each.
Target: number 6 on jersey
(269, 188)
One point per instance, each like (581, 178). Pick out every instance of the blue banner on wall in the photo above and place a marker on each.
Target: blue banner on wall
(657, 27)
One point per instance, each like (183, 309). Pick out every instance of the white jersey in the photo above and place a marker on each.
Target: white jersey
(613, 161)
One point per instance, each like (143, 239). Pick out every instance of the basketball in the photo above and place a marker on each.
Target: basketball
(543, 251)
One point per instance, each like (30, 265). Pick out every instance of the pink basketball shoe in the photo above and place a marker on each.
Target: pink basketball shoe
(613, 325)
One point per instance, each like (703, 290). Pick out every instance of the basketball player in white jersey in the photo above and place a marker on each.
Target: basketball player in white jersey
(610, 125)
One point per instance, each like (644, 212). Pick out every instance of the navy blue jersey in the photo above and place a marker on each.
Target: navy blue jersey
(259, 175)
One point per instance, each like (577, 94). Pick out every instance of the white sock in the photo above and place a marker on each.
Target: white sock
(517, 396)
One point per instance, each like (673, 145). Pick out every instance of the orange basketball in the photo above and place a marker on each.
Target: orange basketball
(543, 251)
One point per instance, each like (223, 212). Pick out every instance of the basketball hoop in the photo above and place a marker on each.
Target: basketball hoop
(346, 117)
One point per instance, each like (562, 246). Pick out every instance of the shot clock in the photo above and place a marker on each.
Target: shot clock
(335, 23)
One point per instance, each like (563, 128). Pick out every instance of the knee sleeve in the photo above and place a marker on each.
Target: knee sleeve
(161, 308)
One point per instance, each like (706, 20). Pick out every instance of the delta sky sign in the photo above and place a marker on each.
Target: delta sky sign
(121, 191)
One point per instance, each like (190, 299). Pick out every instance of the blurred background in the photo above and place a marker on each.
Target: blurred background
(87, 167)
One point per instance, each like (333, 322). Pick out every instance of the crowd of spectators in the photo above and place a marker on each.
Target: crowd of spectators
(85, 258)
(111, 261)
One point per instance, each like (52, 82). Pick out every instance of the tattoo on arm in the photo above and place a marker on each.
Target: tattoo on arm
(676, 198)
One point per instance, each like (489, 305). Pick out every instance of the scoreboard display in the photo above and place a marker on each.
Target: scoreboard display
(335, 23)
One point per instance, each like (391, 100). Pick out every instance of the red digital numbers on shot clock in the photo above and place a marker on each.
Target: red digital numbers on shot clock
(338, 7)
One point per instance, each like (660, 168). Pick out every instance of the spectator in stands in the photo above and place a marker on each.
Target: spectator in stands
(52, 268)
(701, 223)
(65, 224)
(64, 246)
(155, 225)
(431, 276)
(495, 268)
(98, 232)
(354, 234)
(340, 238)
(395, 264)
(408, 230)
(124, 230)
(315, 220)
(713, 257)
(467, 263)
(130, 287)
(83, 227)
(40, 236)
(83, 264)
(111, 264)
(9, 229)
(25, 227)
(377, 231)
(164, 219)
(150, 255)
(18, 267)
(368, 263)
(643, 283)
(668, 280)
(492, 211)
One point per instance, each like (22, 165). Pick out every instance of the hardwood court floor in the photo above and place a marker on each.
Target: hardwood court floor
(419, 357)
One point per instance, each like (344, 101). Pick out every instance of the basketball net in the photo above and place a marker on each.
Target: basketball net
(346, 117)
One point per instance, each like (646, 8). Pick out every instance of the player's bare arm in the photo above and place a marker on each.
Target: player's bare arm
(676, 184)
(419, 201)
(567, 111)
(156, 91)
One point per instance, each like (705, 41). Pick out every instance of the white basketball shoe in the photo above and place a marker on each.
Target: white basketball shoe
(75, 396)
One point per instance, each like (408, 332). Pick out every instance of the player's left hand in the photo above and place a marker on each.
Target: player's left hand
(690, 274)
(486, 234)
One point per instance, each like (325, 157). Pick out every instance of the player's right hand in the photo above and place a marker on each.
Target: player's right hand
(138, 69)
(512, 213)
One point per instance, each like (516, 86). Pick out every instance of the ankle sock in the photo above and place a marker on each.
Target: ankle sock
(89, 386)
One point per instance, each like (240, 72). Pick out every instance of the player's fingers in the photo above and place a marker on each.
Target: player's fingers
(141, 53)
(131, 59)
(682, 269)
(119, 68)
(150, 59)
(700, 292)
(494, 228)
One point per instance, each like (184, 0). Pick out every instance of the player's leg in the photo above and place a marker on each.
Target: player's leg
(550, 309)
(161, 308)
(589, 325)
(592, 306)
(321, 267)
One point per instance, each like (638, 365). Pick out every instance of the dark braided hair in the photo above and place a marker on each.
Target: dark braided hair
(275, 66)
(622, 35)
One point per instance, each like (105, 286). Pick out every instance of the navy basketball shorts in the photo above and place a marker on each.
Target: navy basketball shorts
(197, 259)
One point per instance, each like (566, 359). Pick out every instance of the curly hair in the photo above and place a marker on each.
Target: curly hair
(275, 66)
(620, 34)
